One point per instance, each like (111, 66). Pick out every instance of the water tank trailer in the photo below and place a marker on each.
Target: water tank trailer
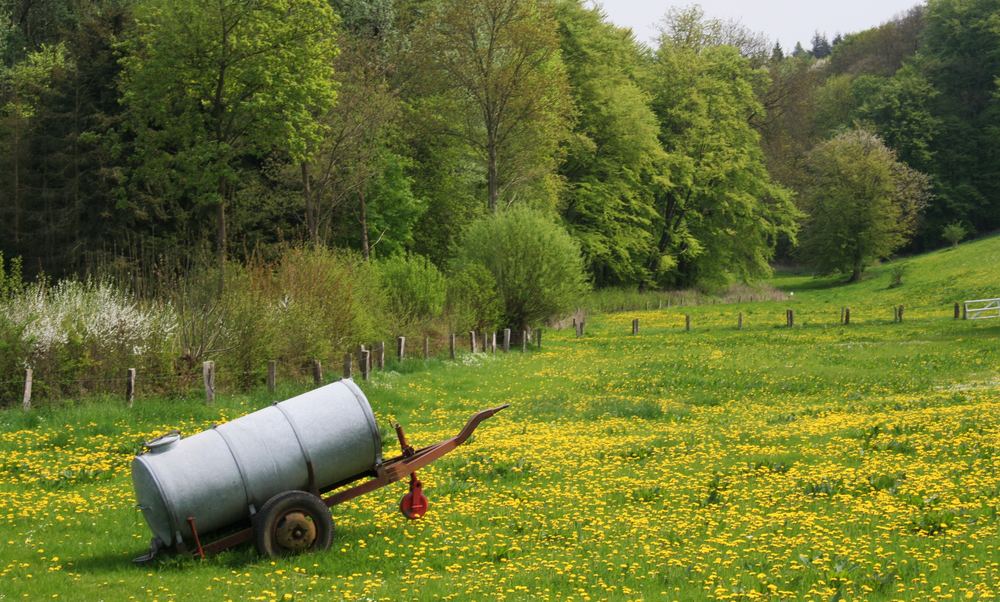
(273, 475)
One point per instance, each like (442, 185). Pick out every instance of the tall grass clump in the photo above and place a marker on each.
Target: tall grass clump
(536, 264)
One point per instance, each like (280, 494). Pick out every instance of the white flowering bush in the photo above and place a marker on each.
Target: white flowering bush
(80, 335)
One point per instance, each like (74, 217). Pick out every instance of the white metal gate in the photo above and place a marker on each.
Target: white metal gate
(981, 309)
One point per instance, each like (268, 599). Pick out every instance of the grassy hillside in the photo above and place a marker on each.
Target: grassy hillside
(930, 282)
(821, 462)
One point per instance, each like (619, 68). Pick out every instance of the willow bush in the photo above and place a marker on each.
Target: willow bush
(536, 264)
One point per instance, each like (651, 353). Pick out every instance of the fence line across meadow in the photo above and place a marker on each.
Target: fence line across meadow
(367, 358)
(962, 311)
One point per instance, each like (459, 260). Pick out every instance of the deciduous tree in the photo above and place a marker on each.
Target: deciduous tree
(862, 204)
(614, 160)
(209, 85)
(721, 215)
(22, 86)
(494, 78)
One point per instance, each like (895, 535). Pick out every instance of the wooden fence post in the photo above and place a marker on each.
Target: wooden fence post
(739, 321)
(538, 338)
(493, 342)
(348, 364)
(272, 376)
(26, 400)
(506, 340)
(380, 355)
(451, 345)
(635, 326)
(524, 341)
(687, 322)
(208, 375)
(958, 311)
(400, 348)
(900, 314)
(427, 347)
(366, 364)
(130, 387)
(472, 341)
(847, 316)
(317, 373)
(965, 312)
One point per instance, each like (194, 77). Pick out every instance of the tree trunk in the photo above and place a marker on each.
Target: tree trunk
(16, 148)
(312, 223)
(365, 249)
(77, 204)
(856, 273)
(220, 241)
(491, 168)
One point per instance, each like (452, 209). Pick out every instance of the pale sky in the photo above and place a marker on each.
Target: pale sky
(788, 21)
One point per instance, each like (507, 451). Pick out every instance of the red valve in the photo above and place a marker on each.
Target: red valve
(414, 504)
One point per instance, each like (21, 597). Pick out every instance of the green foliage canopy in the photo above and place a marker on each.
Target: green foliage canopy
(494, 79)
(209, 84)
(722, 214)
(862, 203)
(535, 263)
(614, 163)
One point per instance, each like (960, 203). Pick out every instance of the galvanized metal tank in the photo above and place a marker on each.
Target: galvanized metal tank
(222, 475)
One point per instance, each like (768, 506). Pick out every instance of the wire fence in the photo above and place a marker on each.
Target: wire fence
(131, 383)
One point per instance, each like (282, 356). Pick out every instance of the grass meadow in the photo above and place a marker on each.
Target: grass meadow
(820, 462)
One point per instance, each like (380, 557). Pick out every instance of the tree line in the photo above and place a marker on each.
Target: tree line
(142, 133)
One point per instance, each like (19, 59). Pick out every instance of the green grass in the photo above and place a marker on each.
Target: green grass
(821, 462)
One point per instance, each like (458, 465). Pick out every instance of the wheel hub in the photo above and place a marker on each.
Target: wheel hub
(295, 531)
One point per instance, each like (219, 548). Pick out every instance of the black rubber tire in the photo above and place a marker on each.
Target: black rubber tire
(267, 521)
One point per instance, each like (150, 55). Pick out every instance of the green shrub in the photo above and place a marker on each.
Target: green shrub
(536, 264)
(414, 288)
(251, 329)
(14, 350)
(954, 233)
(899, 270)
(473, 302)
(309, 304)
(10, 278)
(14, 346)
(325, 303)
